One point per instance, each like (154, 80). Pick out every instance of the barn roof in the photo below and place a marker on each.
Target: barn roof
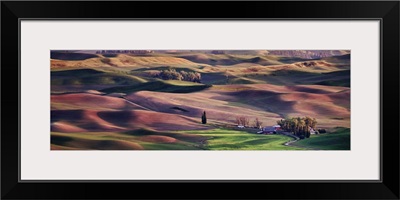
(269, 128)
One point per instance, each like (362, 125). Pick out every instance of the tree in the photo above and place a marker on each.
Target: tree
(314, 123)
(309, 121)
(308, 134)
(204, 118)
(257, 123)
(238, 120)
(302, 125)
(287, 124)
(246, 122)
(295, 125)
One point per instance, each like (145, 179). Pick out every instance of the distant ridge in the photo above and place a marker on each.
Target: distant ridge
(305, 54)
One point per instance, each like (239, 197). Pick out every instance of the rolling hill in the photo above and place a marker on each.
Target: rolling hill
(112, 102)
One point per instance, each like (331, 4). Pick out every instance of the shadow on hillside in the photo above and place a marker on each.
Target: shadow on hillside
(71, 56)
(265, 100)
(158, 86)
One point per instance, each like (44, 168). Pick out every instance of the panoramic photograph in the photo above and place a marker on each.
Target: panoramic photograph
(200, 99)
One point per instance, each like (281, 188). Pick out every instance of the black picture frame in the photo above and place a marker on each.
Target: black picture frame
(386, 11)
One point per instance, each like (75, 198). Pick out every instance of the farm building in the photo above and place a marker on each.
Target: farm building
(271, 129)
(277, 127)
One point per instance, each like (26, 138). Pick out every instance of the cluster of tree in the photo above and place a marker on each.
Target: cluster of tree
(245, 121)
(298, 126)
(242, 121)
(172, 74)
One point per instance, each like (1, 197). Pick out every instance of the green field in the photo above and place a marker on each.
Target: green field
(223, 139)
(338, 140)
(215, 139)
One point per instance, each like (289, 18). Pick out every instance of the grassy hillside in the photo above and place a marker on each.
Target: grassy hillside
(222, 139)
(92, 77)
(337, 140)
(132, 140)
(296, 77)
(122, 60)
(216, 139)
(343, 59)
